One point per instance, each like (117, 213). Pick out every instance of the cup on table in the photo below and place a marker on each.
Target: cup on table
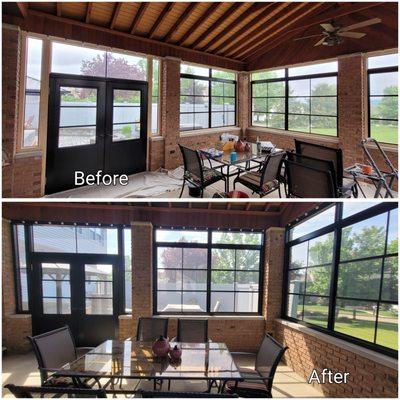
(233, 156)
(366, 169)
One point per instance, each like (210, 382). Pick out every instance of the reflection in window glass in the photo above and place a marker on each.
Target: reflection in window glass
(295, 306)
(97, 240)
(390, 288)
(54, 239)
(313, 223)
(364, 239)
(32, 92)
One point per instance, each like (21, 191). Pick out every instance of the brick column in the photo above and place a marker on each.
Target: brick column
(352, 107)
(243, 101)
(142, 272)
(273, 276)
(170, 103)
(16, 327)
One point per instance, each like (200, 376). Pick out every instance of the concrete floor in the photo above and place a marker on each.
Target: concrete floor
(22, 370)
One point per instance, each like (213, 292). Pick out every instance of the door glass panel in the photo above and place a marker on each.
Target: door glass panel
(56, 288)
(126, 115)
(99, 289)
(78, 113)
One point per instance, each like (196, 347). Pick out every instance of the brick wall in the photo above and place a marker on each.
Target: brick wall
(367, 378)
(273, 276)
(15, 327)
(142, 271)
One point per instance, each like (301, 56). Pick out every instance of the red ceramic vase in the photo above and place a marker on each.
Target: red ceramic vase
(161, 347)
(240, 146)
(176, 353)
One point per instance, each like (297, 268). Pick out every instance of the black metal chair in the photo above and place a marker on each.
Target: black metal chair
(329, 154)
(267, 180)
(306, 181)
(258, 382)
(54, 349)
(192, 330)
(195, 173)
(156, 394)
(150, 329)
(26, 392)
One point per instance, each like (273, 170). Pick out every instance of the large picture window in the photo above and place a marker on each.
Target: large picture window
(302, 99)
(383, 94)
(208, 98)
(342, 276)
(207, 272)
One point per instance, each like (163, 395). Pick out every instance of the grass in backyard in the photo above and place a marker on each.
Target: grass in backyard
(385, 134)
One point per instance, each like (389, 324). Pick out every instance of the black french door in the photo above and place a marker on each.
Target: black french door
(79, 290)
(94, 124)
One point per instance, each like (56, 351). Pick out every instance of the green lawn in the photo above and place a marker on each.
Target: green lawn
(363, 327)
(384, 133)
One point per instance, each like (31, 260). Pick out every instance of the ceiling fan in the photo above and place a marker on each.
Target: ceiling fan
(333, 33)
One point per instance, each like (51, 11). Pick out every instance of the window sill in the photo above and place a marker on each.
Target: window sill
(343, 344)
(156, 138)
(209, 131)
(282, 132)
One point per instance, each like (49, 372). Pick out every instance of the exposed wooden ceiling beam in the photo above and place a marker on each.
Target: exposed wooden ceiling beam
(183, 17)
(117, 9)
(160, 19)
(88, 12)
(250, 11)
(297, 10)
(216, 24)
(23, 8)
(59, 8)
(138, 17)
(340, 10)
(198, 23)
(265, 17)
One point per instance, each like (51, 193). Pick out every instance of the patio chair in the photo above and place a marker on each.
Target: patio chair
(53, 349)
(307, 181)
(258, 382)
(329, 154)
(192, 330)
(195, 173)
(156, 394)
(26, 392)
(150, 329)
(267, 180)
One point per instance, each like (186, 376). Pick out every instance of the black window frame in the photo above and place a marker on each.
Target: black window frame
(336, 227)
(209, 246)
(210, 79)
(286, 79)
(30, 250)
(372, 71)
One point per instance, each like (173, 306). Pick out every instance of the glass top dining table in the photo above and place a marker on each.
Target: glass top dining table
(241, 158)
(135, 360)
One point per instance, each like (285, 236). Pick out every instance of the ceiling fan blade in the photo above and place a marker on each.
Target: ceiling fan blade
(319, 43)
(307, 37)
(354, 35)
(328, 27)
(368, 22)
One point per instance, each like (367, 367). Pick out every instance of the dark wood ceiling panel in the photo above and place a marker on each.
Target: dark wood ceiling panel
(244, 35)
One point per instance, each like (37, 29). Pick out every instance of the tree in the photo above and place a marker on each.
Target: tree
(387, 107)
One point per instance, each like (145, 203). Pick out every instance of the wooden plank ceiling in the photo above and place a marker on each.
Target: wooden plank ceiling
(240, 31)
